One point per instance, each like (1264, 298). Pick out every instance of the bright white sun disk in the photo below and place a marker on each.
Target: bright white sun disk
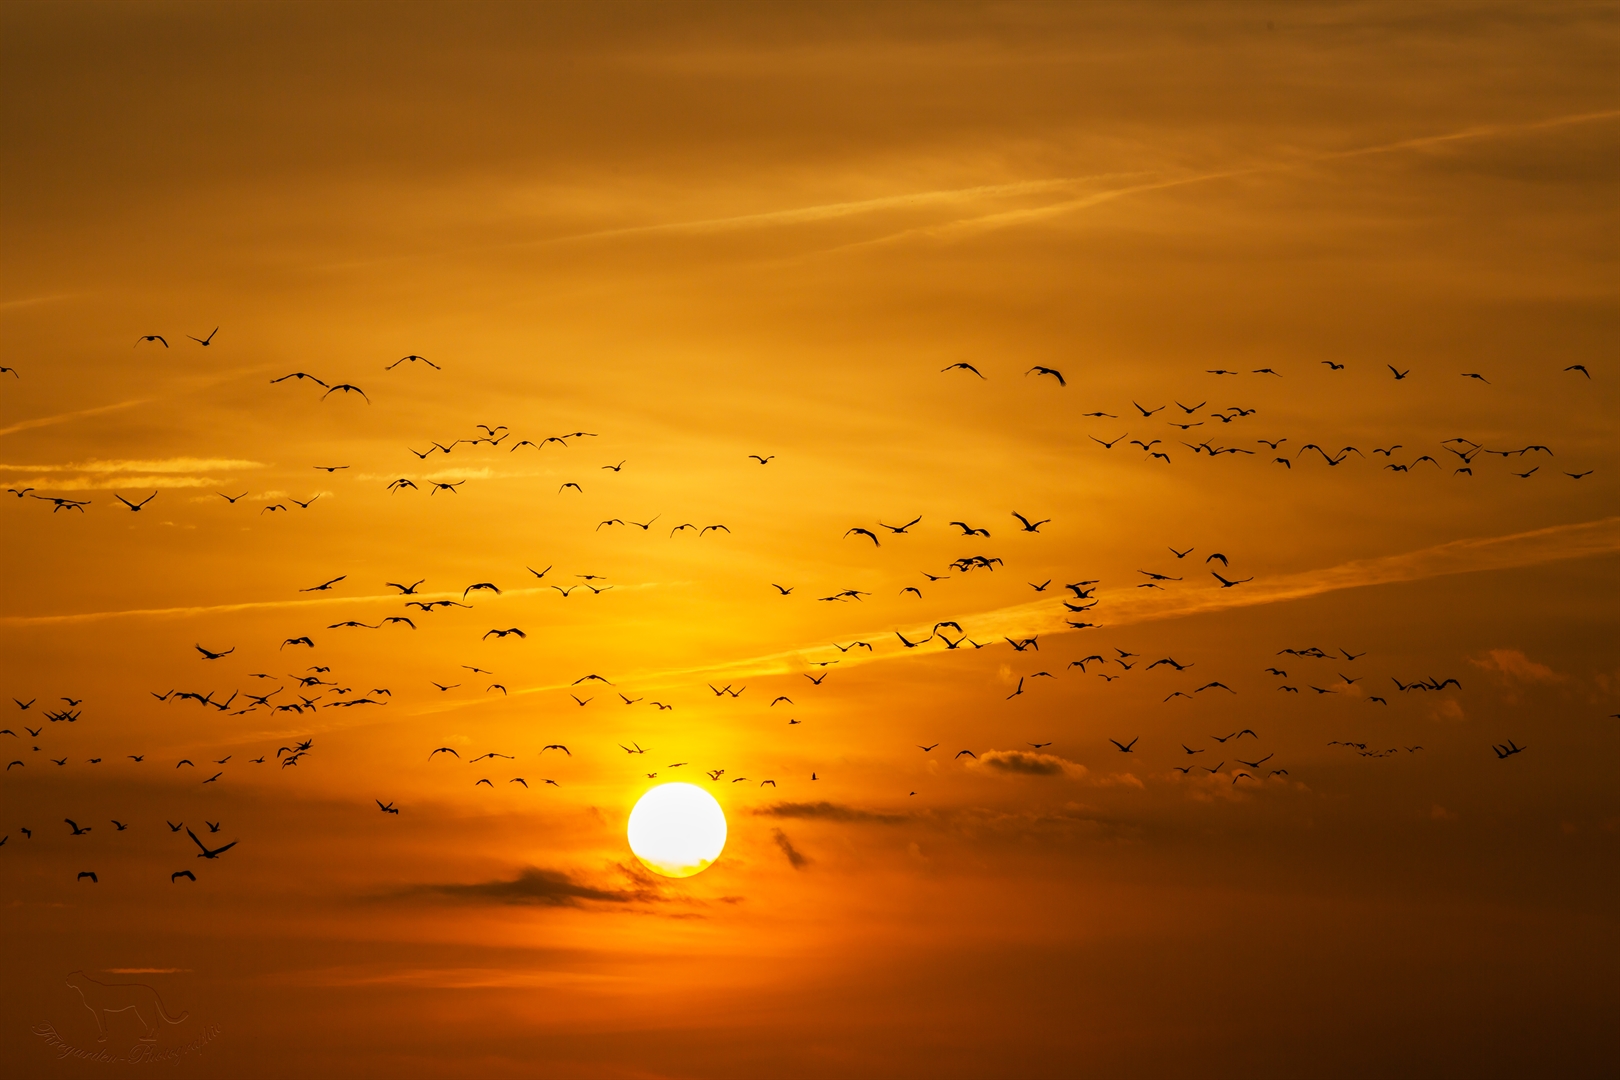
(677, 830)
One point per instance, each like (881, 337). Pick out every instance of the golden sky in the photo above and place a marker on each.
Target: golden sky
(676, 236)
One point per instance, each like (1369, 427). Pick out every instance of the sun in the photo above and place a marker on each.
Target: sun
(677, 830)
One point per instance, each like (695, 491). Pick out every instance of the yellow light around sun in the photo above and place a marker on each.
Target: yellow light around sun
(677, 830)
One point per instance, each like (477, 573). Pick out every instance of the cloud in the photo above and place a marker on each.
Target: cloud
(826, 811)
(59, 418)
(541, 888)
(1123, 779)
(794, 856)
(180, 472)
(1029, 764)
(1513, 665)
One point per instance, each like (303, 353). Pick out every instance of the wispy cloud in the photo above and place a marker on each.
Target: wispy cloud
(1028, 763)
(537, 887)
(77, 414)
(139, 465)
(827, 811)
(98, 474)
(1514, 666)
(794, 856)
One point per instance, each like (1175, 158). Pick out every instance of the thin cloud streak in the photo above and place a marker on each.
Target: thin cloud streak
(1009, 218)
(1123, 607)
(1129, 607)
(78, 414)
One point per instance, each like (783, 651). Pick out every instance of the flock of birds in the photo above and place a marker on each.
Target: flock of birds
(317, 687)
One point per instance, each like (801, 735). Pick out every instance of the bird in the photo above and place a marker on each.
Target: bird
(1476, 375)
(204, 341)
(298, 641)
(1226, 584)
(1147, 412)
(1054, 372)
(783, 589)
(347, 388)
(135, 506)
(1028, 525)
(1125, 748)
(159, 338)
(77, 830)
(868, 533)
(1333, 366)
(91, 874)
(1399, 375)
(211, 655)
(963, 366)
(901, 529)
(765, 460)
(178, 874)
(413, 359)
(208, 853)
(1106, 445)
(486, 586)
(1580, 368)
(325, 585)
(1577, 476)
(959, 753)
(330, 469)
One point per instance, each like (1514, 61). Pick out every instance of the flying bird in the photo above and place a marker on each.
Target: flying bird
(1054, 372)
(964, 367)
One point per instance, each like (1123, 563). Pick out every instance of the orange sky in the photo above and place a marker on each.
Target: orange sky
(701, 233)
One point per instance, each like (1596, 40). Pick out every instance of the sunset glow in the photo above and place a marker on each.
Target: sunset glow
(829, 540)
